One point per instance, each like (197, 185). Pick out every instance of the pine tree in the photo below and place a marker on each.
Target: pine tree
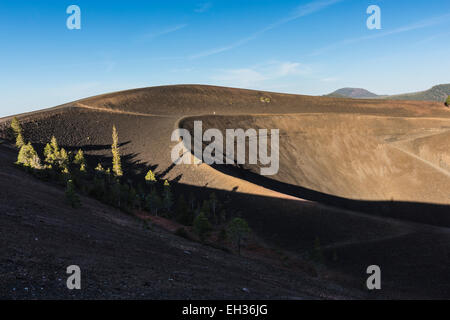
(116, 194)
(150, 178)
(18, 132)
(222, 216)
(184, 215)
(51, 152)
(117, 166)
(133, 200)
(54, 146)
(15, 126)
(65, 175)
(317, 254)
(213, 204)
(48, 153)
(20, 141)
(192, 201)
(222, 236)
(238, 230)
(63, 160)
(79, 160)
(56, 156)
(124, 191)
(71, 196)
(28, 157)
(167, 196)
(202, 226)
(153, 202)
(206, 209)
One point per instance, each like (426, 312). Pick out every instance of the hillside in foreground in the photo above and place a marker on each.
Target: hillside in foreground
(366, 177)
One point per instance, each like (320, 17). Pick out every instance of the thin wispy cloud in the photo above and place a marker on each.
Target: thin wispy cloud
(203, 7)
(300, 11)
(416, 26)
(433, 37)
(257, 75)
(152, 35)
(244, 77)
(312, 7)
(329, 79)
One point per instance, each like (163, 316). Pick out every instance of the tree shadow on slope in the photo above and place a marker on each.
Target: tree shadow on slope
(427, 213)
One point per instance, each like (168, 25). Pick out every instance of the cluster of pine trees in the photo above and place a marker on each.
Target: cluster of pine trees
(110, 186)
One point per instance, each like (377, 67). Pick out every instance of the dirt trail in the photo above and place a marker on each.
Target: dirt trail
(428, 163)
(85, 106)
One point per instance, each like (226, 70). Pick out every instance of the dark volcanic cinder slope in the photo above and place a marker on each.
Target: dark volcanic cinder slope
(346, 156)
(187, 100)
(119, 257)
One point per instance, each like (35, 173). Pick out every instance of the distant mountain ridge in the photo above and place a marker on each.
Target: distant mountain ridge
(438, 93)
(356, 93)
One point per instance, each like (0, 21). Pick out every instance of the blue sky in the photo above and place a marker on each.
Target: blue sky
(307, 47)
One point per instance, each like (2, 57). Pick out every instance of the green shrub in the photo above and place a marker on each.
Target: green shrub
(213, 204)
(132, 198)
(317, 254)
(206, 209)
(184, 214)
(115, 195)
(447, 102)
(153, 202)
(222, 235)
(238, 230)
(181, 232)
(202, 227)
(71, 196)
(99, 169)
